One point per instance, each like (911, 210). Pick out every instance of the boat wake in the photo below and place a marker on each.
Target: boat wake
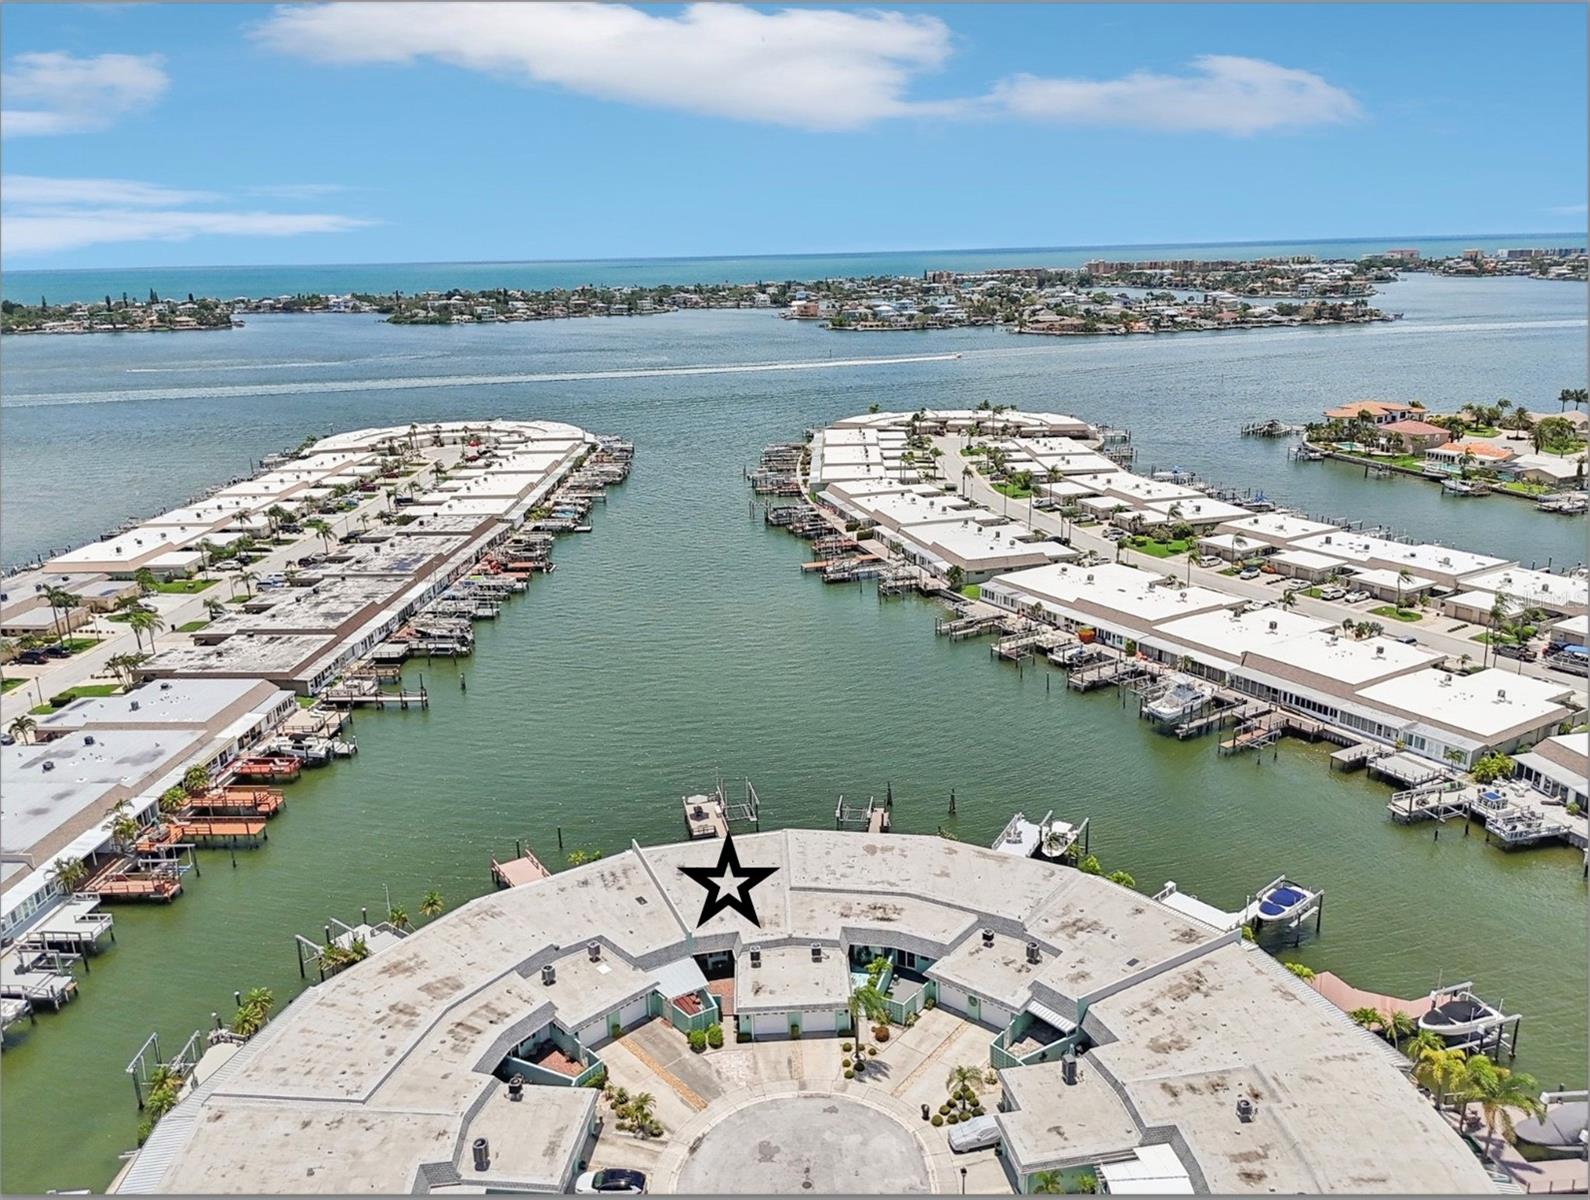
(408, 383)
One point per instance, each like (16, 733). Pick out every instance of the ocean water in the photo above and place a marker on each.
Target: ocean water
(227, 282)
(679, 639)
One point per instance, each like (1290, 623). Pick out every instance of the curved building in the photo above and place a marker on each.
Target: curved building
(1110, 1035)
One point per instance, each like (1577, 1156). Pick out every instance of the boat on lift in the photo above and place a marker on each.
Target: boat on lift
(1461, 1019)
(1182, 699)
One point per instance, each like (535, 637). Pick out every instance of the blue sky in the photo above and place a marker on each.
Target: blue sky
(152, 135)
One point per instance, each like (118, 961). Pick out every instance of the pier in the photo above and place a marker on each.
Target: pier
(523, 868)
(1513, 815)
(710, 815)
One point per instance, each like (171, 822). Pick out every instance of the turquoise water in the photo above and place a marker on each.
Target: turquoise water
(226, 282)
(679, 640)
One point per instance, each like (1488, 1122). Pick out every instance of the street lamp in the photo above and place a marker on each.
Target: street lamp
(963, 1181)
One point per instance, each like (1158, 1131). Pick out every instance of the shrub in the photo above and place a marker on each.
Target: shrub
(1572, 808)
(715, 1035)
(930, 1003)
(881, 1032)
(655, 1129)
(1488, 769)
(872, 1051)
(847, 1047)
(795, 1035)
(61, 699)
(845, 1062)
(953, 1118)
(849, 1074)
(944, 1109)
(698, 1040)
(861, 1065)
(937, 1120)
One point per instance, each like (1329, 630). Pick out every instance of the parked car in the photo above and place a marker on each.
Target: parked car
(1248, 573)
(1209, 560)
(977, 1134)
(1407, 639)
(33, 658)
(1113, 533)
(614, 1179)
(58, 650)
(1357, 597)
(1523, 653)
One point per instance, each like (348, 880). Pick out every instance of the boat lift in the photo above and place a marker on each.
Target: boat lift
(1282, 903)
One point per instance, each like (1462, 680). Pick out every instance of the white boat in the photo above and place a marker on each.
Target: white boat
(1182, 699)
(1459, 487)
(1460, 1018)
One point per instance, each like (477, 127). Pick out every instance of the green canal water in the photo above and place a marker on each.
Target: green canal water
(679, 640)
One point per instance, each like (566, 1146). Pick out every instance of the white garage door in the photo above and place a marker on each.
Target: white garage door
(769, 1025)
(955, 999)
(997, 1015)
(817, 1022)
(632, 1013)
(590, 1035)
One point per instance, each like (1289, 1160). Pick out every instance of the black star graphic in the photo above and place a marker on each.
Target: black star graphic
(728, 885)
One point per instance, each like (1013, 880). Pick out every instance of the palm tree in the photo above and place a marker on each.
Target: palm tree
(254, 1011)
(145, 579)
(124, 829)
(322, 528)
(1498, 1091)
(215, 609)
(1422, 1041)
(641, 1114)
(867, 1003)
(397, 917)
(60, 600)
(1403, 576)
(68, 874)
(246, 576)
(22, 728)
(196, 780)
(123, 665)
(431, 903)
(1367, 1018)
(141, 621)
(1440, 1072)
(1399, 1026)
(1047, 1183)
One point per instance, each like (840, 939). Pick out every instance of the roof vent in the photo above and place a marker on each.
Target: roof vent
(756, 957)
(135, 705)
(47, 765)
(1032, 952)
(482, 1153)
(1274, 625)
(1380, 652)
(988, 937)
(1501, 693)
(817, 952)
(549, 975)
(1070, 1070)
(88, 739)
(1245, 1110)
(594, 949)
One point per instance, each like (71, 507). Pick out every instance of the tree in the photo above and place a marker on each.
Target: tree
(22, 728)
(1367, 1018)
(321, 527)
(1403, 576)
(173, 799)
(955, 576)
(68, 875)
(1298, 969)
(1047, 1183)
(254, 1011)
(196, 780)
(1491, 767)
(431, 903)
(1574, 396)
(143, 620)
(146, 581)
(1123, 878)
(1498, 1091)
(868, 1004)
(123, 665)
(1439, 1072)
(1552, 434)
(962, 1077)
(60, 600)
(397, 918)
(215, 609)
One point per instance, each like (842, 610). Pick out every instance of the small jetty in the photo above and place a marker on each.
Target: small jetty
(1049, 839)
(710, 814)
(1513, 815)
(873, 816)
(1272, 428)
(524, 867)
(1281, 905)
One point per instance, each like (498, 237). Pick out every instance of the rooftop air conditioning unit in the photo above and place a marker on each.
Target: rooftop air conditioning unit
(988, 937)
(88, 739)
(817, 952)
(1245, 1110)
(1501, 693)
(1274, 625)
(594, 949)
(756, 957)
(1070, 1070)
(549, 975)
(1032, 952)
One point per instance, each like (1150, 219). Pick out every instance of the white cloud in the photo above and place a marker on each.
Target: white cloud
(42, 215)
(809, 68)
(1222, 94)
(51, 93)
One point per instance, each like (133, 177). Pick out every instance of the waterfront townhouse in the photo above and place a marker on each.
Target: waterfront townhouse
(95, 753)
(979, 545)
(1558, 766)
(1555, 595)
(1121, 604)
(1460, 718)
(1122, 1033)
(1444, 566)
(1380, 412)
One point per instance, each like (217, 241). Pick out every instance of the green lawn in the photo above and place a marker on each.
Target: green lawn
(1160, 549)
(183, 587)
(81, 691)
(308, 701)
(1312, 593)
(191, 626)
(1012, 489)
(78, 645)
(1523, 487)
(1395, 613)
(7, 684)
(972, 591)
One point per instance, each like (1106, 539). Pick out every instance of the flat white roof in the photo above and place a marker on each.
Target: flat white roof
(1114, 588)
(1308, 560)
(1543, 588)
(970, 543)
(1276, 527)
(1483, 705)
(1387, 578)
(1198, 509)
(1426, 558)
(1350, 660)
(1232, 634)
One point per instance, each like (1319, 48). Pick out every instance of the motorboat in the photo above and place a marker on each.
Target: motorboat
(1459, 487)
(1184, 697)
(1283, 900)
(1460, 1018)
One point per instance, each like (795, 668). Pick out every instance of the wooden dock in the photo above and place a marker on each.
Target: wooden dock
(1253, 735)
(518, 871)
(1123, 671)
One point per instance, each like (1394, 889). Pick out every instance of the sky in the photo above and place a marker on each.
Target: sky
(182, 135)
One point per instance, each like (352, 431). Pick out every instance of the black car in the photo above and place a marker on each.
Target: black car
(58, 650)
(33, 658)
(1524, 653)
